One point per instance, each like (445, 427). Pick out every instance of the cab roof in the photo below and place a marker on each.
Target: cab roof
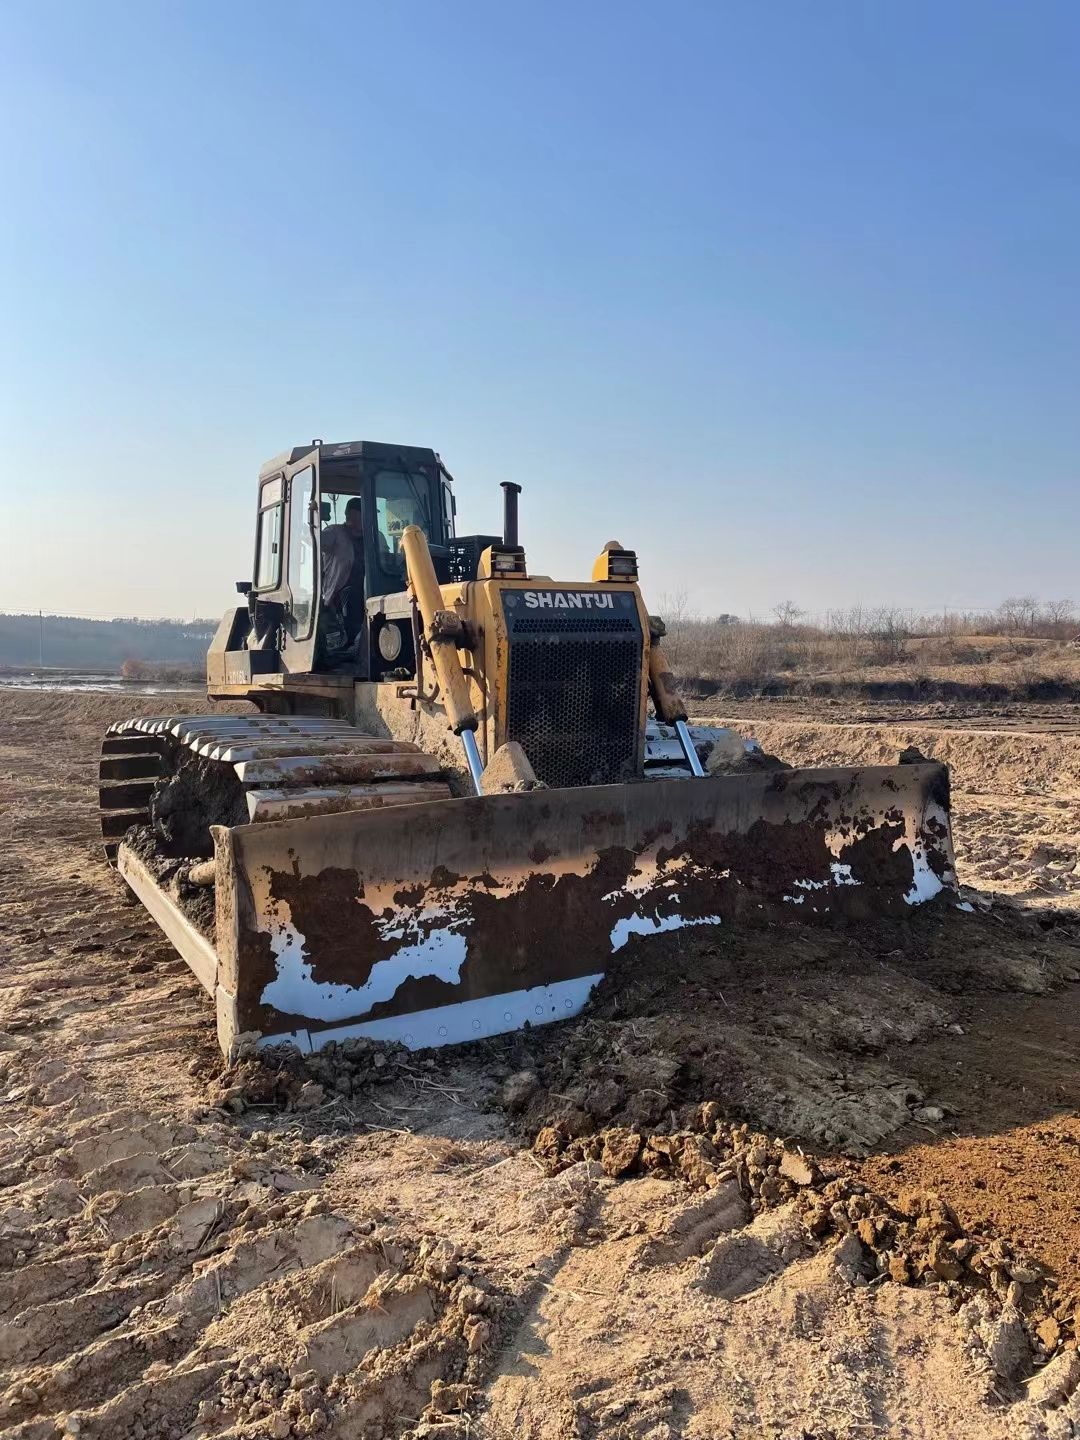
(351, 450)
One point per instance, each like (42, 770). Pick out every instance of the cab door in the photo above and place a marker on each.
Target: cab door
(301, 570)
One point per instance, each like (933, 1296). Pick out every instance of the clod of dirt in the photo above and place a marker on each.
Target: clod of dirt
(798, 1168)
(281, 1076)
(1007, 1346)
(518, 1090)
(929, 1114)
(912, 755)
(196, 794)
(1056, 1381)
(619, 1154)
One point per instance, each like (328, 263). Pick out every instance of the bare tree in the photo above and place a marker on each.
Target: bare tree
(1018, 614)
(787, 612)
(1059, 614)
(675, 613)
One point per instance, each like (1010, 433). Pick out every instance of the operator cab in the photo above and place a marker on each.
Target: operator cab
(364, 622)
(328, 589)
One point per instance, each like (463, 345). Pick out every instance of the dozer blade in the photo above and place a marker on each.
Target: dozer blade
(437, 923)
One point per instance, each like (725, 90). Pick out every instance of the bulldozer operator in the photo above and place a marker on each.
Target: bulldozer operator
(342, 613)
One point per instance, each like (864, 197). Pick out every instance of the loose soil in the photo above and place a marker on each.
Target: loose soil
(806, 1183)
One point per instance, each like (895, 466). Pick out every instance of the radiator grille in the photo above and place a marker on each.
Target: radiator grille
(575, 625)
(574, 703)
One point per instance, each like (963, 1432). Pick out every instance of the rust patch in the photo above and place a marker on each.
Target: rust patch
(256, 967)
(423, 992)
(410, 895)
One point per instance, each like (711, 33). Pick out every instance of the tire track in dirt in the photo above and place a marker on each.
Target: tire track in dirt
(164, 1270)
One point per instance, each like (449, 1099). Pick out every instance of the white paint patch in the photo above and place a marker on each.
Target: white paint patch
(398, 929)
(651, 925)
(841, 875)
(455, 1024)
(296, 992)
(641, 884)
(925, 883)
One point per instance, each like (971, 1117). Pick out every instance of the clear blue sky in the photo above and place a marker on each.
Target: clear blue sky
(785, 296)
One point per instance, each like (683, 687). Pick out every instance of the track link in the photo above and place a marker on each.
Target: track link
(278, 767)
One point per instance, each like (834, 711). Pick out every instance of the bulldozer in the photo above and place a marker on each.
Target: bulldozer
(459, 788)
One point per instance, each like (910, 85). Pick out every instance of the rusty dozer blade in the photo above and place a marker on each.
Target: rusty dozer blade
(437, 923)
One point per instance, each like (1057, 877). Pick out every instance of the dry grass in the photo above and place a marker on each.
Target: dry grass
(1024, 649)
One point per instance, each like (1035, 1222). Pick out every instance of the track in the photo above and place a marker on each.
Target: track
(236, 769)
(182, 774)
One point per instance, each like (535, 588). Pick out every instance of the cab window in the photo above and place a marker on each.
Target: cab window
(268, 536)
(449, 510)
(402, 497)
(334, 503)
(301, 551)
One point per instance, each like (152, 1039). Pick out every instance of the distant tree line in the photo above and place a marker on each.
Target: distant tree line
(72, 642)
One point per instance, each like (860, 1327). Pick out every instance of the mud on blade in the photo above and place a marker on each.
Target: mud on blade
(440, 923)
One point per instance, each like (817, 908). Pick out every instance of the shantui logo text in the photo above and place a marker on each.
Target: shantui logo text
(569, 600)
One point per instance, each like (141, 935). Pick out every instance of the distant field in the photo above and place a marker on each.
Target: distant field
(879, 655)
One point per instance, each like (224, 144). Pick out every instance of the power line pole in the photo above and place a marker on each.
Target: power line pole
(41, 638)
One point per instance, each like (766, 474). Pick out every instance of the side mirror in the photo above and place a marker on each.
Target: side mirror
(243, 587)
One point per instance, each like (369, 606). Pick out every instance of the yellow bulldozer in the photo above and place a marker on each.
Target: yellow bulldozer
(464, 786)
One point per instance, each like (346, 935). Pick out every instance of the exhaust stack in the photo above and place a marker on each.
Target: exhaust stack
(510, 514)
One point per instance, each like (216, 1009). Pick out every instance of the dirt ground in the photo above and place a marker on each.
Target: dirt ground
(804, 1184)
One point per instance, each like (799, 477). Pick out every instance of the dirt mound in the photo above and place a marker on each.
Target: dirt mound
(1013, 686)
(915, 1239)
(977, 759)
(280, 1076)
(694, 1315)
(814, 1034)
(60, 713)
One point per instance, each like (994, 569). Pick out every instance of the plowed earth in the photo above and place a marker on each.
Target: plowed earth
(796, 1184)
